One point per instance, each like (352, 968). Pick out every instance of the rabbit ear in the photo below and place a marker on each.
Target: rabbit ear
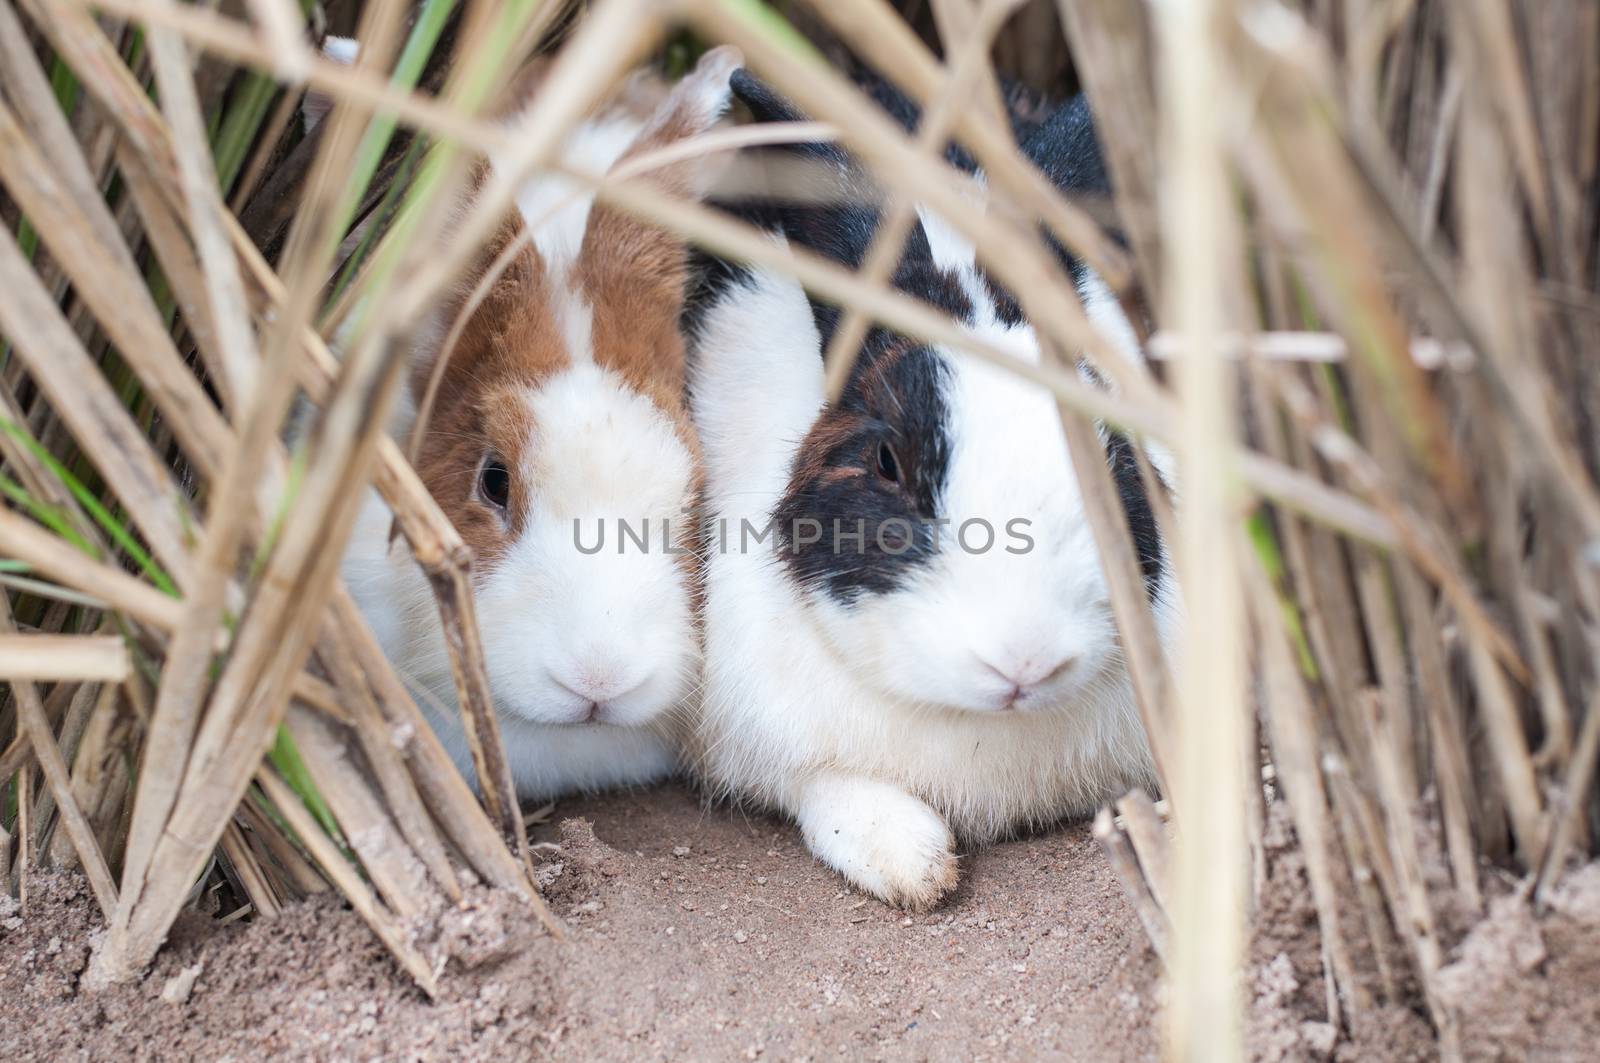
(633, 274)
(822, 200)
(468, 338)
(316, 105)
(814, 192)
(695, 104)
(1065, 149)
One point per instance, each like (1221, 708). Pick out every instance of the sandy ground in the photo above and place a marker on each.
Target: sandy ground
(695, 934)
(710, 934)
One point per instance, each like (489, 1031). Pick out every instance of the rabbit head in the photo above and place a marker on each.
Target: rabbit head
(930, 523)
(557, 412)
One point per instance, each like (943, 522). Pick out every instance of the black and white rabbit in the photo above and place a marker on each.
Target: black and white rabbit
(955, 674)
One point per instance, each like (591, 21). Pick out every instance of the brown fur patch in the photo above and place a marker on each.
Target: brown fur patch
(811, 465)
(631, 275)
(509, 343)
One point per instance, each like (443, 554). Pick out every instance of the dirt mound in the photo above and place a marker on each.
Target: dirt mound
(1524, 987)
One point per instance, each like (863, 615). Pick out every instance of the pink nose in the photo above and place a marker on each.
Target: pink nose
(600, 687)
(1033, 670)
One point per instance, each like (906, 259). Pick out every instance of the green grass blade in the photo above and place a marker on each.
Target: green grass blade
(424, 37)
(286, 758)
(52, 517)
(1266, 548)
(96, 510)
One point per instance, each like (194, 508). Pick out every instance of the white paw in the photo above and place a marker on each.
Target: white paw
(880, 838)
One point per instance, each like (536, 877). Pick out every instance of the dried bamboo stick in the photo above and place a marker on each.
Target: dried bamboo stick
(314, 693)
(229, 311)
(1451, 764)
(50, 556)
(1512, 759)
(1567, 809)
(390, 863)
(24, 832)
(283, 29)
(445, 791)
(249, 873)
(1369, 871)
(28, 469)
(1120, 852)
(14, 757)
(1148, 835)
(55, 658)
(69, 727)
(1374, 594)
(111, 285)
(99, 773)
(86, 403)
(301, 873)
(402, 801)
(344, 876)
(1204, 1013)
(1130, 596)
(1409, 904)
(32, 721)
(1109, 42)
(1291, 732)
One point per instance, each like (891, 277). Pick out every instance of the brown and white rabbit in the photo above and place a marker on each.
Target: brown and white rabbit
(909, 641)
(561, 412)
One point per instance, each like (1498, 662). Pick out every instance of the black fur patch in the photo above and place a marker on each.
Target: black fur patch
(710, 280)
(893, 398)
(1065, 149)
(844, 528)
(1136, 506)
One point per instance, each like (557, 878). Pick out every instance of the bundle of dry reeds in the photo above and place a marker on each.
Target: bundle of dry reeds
(1365, 230)
(1384, 216)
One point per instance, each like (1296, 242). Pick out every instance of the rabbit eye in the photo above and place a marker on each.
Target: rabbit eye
(494, 482)
(888, 467)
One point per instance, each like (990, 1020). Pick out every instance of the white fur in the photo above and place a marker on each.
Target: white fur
(878, 725)
(561, 629)
(576, 318)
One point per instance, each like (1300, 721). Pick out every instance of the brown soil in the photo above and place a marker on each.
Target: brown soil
(709, 934)
(694, 934)
(1526, 987)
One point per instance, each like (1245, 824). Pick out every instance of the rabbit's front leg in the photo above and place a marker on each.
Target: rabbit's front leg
(881, 838)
